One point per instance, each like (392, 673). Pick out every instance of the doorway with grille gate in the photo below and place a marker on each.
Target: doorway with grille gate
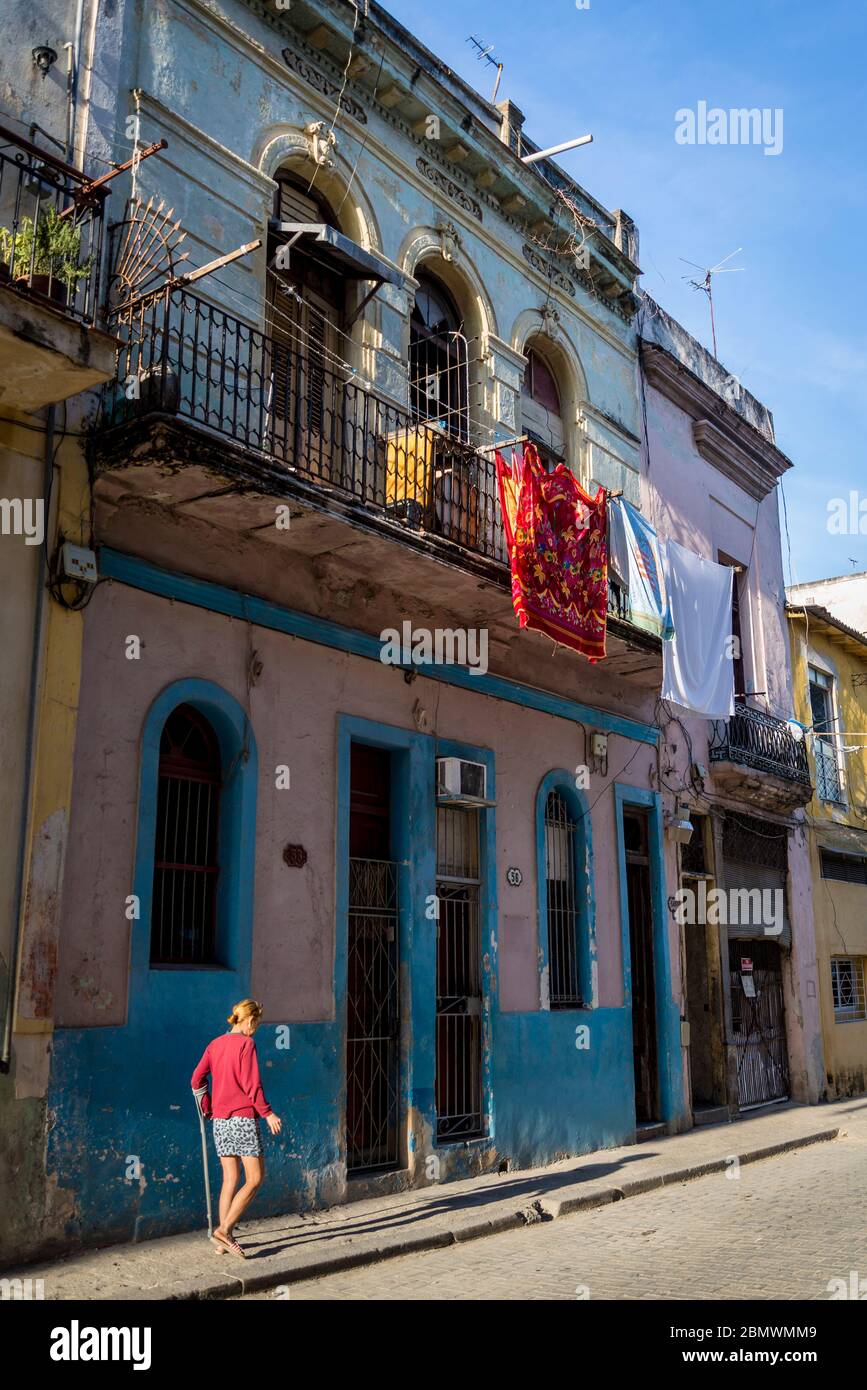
(459, 997)
(642, 965)
(758, 1030)
(373, 980)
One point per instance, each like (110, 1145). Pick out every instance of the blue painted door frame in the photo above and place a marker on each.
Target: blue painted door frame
(414, 846)
(668, 1045)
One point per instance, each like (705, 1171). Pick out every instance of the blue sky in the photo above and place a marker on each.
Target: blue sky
(792, 325)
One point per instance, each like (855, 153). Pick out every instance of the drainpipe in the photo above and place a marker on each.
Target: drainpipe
(72, 81)
(35, 664)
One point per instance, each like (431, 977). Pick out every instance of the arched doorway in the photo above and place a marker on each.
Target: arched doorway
(436, 469)
(541, 408)
(438, 368)
(304, 323)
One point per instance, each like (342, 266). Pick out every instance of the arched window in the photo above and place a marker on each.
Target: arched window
(565, 894)
(562, 897)
(186, 864)
(541, 410)
(438, 372)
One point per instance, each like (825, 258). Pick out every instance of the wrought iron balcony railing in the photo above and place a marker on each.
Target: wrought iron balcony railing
(51, 228)
(182, 356)
(759, 740)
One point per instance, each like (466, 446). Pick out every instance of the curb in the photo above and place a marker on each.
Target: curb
(539, 1211)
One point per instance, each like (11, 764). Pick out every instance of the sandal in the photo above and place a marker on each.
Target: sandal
(226, 1245)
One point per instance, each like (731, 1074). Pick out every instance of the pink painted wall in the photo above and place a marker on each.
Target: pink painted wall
(294, 712)
(690, 501)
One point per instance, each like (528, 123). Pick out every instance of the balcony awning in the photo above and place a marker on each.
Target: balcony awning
(843, 839)
(336, 251)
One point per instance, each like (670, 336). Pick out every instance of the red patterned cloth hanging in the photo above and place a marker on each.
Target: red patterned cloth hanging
(556, 538)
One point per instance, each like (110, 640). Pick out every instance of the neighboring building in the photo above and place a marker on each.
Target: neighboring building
(845, 596)
(829, 660)
(465, 952)
(749, 985)
(52, 347)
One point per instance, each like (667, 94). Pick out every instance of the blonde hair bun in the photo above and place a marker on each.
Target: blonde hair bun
(248, 1008)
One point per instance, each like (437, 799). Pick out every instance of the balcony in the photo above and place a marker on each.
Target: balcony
(197, 386)
(754, 756)
(51, 227)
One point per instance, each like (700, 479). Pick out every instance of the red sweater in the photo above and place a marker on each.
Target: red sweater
(236, 1086)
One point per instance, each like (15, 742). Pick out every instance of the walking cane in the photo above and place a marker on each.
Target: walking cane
(197, 1095)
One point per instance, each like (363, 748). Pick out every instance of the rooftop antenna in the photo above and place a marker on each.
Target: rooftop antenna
(484, 51)
(707, 285)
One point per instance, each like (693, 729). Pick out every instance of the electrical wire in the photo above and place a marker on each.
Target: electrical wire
(349, 57)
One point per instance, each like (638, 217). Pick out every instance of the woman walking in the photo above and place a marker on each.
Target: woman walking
(235, 1102)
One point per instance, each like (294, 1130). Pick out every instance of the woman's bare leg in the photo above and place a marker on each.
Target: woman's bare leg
(254, 1172)
(231, 1173)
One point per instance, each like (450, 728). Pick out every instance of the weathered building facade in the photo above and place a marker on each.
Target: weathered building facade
(749, 978)
(829, 662)
(448, 880)
(53, 346)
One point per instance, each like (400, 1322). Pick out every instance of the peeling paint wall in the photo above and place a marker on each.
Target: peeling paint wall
(121, 1068)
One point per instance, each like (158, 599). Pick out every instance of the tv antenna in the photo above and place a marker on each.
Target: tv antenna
(484, 51)
(707, 283)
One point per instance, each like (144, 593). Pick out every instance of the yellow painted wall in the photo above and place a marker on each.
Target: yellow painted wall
(54, 734)
(839, 909)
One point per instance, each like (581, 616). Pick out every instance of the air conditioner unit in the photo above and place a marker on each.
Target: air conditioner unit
(462, 782)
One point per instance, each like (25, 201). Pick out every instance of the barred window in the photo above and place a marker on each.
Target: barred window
(186, 867)
(561, 845)
(847, 987)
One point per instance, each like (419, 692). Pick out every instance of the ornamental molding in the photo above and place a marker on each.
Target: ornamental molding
(322, 84)
(721, 436)
(322, 142)
(451, 242)
(440, 179)
(550, 272)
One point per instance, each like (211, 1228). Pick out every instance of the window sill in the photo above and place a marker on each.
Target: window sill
(211, 969)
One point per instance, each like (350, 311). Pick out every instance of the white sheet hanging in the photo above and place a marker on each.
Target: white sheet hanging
(697, 667)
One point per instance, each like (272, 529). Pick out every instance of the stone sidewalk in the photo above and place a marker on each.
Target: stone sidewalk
(286, 1249)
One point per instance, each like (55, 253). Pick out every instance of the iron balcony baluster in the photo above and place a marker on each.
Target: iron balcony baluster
(312, 418)
(756, 739)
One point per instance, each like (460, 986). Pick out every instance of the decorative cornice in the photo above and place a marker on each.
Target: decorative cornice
(721, 436)
(538, 262)
(440, 179)
(322, 84)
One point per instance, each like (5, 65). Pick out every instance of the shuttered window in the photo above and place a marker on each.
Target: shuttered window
(846, 868)
(755, 857)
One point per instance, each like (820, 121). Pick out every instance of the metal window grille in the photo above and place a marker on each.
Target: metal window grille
(438, 367)
(563, 917)
(847, 987)
(459, 976)
(186, 867)
(373, 1016)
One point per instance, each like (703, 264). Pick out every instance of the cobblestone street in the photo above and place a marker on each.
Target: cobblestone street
(782, 1229)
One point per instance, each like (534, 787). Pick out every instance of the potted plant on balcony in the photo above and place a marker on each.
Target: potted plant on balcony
(52, 245)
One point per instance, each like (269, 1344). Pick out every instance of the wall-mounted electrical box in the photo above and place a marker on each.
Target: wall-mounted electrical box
(77, 562)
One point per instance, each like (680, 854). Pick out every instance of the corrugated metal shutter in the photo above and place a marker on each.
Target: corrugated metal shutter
(755, 855)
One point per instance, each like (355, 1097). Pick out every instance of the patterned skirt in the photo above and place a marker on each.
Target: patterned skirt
(237, 1137)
